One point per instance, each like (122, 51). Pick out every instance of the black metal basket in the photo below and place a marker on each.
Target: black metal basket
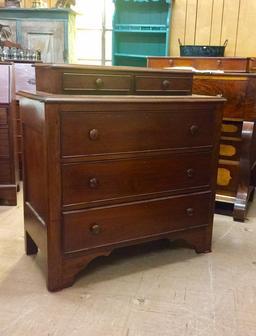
(202, 50)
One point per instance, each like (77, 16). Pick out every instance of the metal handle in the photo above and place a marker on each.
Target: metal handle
(94, 134)
(99, 82)
(190, 172)
(93, 182)
(194, 129)
(166, 84)
(95, 229)
(190, 212)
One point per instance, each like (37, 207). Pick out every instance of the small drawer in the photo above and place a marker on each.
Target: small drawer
(5, 172)
(93, 83)
(228, 177)
(3, 116)
(136, 177)
(88, 133)
(104, 226)
(4, 142)
(231, 128)
(230, 149)
(163, 85)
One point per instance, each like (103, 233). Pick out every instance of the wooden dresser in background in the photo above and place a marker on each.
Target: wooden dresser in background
(113, 171)
(8, 155)
(237, 164)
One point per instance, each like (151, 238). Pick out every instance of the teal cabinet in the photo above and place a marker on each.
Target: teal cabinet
(52, 31)
(141, 28)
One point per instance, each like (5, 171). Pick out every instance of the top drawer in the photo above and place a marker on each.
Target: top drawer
(163, 85)
(88, 133)
(202, 63)
(98, 82)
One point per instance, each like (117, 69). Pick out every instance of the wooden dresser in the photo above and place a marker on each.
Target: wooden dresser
(112, 171)
(8, 157)
(237, 164)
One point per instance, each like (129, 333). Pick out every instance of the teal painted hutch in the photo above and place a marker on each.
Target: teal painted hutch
(141, 28)
(52, 30)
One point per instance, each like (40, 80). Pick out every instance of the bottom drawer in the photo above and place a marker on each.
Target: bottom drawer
(114, 224)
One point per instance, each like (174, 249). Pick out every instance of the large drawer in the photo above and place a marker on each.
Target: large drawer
(4, 142)
(3, 116)
(163, 85)
(98, 82)
(136, 177)
(232, 88)
(87, 133)
(116, 224)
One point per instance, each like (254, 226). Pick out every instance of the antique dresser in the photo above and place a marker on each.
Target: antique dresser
(113, 171)
(8, 157)
(237, 82)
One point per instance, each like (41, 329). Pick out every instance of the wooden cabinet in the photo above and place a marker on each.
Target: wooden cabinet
(8, 157)
(112, 171)
(98, 80)
(140, 28)
(236, 173)
(52, 31)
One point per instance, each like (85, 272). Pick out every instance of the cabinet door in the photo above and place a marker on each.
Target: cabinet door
(48, 37)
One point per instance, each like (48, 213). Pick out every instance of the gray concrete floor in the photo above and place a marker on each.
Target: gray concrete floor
(144, 291)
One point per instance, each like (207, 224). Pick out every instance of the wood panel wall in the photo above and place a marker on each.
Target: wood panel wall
(211, 22)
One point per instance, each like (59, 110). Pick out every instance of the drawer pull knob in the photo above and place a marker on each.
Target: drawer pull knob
(95, 229)
(166, 84)
(190, 212)
(190, 172)
(94, 134)
(194, 129)
(99, 82)
(93, 182)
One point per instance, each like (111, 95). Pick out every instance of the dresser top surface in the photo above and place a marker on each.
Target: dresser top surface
(69, 67)
(56, 98)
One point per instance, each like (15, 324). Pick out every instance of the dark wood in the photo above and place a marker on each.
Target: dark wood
(85, 79)
(238, 84)
(86, 194)
(24, 80)
(8, 152)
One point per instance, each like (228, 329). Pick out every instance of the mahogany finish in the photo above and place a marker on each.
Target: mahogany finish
(8, 159)
(110, 80)
(237, 173)
(107, 171)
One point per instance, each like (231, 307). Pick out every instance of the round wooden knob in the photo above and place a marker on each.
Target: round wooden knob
(94, 134)
(93, 182)
(219, 62)
(194, 129)
(95, 229)
(190, 172)
(171, 62)
(99, 82)
(190, 211)
(166, 84)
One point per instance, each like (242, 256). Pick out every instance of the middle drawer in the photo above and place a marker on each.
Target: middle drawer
(134, 178)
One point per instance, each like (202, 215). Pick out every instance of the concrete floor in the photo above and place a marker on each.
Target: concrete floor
(144, 291)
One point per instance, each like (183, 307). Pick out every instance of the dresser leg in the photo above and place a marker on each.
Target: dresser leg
(30, 246)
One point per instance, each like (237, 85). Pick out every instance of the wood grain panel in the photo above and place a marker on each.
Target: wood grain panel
(246, 44)
(178, 25)
(191, 18)
(216, 24)
(229, 26)
(203, 22)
